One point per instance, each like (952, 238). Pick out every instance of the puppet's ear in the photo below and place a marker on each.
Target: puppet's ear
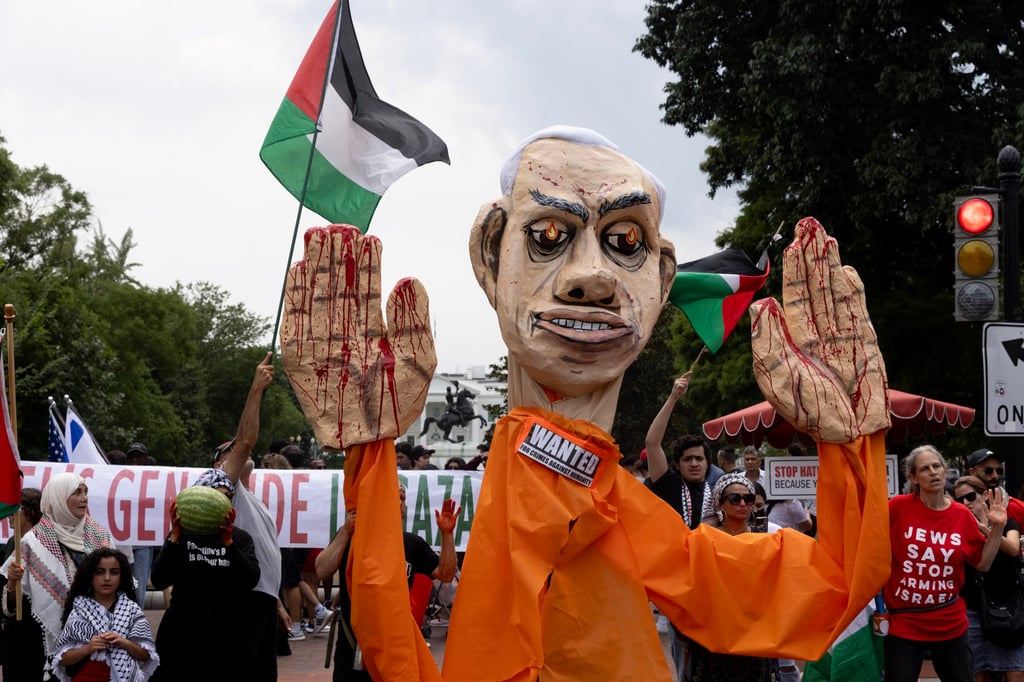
(668, 268)
(485, 244)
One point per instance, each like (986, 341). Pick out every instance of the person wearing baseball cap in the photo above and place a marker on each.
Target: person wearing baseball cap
(421, 458)
(137, 453)
(986, 465)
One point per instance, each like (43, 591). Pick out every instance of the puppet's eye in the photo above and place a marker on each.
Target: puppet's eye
(625, 244)
(548, 237)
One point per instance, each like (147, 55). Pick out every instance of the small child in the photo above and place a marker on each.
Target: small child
(106, 635)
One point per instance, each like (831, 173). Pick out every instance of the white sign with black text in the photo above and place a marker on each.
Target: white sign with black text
(797, 477)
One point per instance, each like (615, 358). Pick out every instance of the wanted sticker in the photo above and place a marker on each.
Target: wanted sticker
(559, 451)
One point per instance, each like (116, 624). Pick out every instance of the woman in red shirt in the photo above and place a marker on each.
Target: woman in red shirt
(932, 540)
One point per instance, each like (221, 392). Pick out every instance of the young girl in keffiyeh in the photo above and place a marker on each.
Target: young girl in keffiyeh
(50, 554)
(106, 635)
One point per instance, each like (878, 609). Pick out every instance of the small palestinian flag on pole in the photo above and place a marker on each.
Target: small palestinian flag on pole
(715, 291)
(333, 143)
(10, 462)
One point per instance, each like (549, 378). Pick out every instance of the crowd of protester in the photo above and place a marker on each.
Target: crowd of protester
(85, 620)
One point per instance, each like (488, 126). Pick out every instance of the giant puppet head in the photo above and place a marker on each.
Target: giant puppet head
(572, 261)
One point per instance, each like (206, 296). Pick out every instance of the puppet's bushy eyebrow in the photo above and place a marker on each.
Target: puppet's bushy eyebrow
(625, 201)
(577, 209)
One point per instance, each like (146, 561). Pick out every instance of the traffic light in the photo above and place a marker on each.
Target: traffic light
(976, 221)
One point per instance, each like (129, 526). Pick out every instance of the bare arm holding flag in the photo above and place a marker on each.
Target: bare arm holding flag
(657, 462)
(235, 457)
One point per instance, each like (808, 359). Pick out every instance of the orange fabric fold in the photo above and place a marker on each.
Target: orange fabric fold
(557, 575)
(393, 647)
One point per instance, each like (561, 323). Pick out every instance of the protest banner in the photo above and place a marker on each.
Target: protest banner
(306, 505)
(797, 477)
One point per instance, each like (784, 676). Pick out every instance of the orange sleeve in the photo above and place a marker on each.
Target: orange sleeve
(557, 575)
(393, 648)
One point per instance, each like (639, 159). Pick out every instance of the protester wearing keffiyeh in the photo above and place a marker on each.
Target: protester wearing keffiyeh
(89, 618)
(724, 482)
(49, 554)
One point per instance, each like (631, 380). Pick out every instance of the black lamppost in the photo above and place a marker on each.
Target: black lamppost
(1012, 447)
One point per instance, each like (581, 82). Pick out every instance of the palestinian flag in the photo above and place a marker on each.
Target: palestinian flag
(857, 655)
(715, 291)
(333, 143)
(10, 462)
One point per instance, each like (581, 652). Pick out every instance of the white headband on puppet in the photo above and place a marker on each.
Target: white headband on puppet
(583, 136)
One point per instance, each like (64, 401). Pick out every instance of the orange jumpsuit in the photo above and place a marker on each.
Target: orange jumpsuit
(558, 573)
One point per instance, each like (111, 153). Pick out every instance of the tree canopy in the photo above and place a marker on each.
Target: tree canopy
(170, 367)
(868, 116)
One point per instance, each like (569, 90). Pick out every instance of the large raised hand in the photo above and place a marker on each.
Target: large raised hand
(816, 359)
(357, 380)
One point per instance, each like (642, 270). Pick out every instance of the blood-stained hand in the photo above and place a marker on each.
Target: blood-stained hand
(358, 381)
(447, 515)
(816, 359)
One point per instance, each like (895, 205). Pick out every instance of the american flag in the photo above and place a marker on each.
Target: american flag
(58, 451)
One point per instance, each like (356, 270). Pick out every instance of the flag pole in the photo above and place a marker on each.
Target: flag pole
(12, 406)
(309, 168)
(699, 356)
(55, 410)
(12, 403)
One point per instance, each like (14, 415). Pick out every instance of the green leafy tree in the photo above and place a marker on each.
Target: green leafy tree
(646, 385)
(168, 366)
(498, 371)
(868, 116)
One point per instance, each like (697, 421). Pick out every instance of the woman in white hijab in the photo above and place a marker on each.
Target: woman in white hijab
(50, 554)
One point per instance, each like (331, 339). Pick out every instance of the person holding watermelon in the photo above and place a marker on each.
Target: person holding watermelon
(213, 567)
(263, 608)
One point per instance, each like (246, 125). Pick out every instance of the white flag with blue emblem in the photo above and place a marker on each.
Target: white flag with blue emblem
(82, 448)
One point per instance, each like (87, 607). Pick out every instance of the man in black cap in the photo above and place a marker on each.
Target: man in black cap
(137, 453)
(421, 458)
(988, 466)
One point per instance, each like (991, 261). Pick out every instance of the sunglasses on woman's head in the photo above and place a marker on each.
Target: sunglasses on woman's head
(736, 498)
(969, 497)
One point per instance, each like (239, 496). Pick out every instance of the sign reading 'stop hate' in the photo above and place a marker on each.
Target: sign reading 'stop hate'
(797, 477)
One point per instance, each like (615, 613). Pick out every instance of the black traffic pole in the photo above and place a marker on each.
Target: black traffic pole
(1009, 187)
(1011, 447)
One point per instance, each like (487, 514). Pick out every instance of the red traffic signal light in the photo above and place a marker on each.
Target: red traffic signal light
(975, 215)
(976, 257)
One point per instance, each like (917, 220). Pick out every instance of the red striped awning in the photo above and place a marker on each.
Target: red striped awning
(912, 417)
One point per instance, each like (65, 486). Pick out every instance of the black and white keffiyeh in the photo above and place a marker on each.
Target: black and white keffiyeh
(89, 618)
(707, 507)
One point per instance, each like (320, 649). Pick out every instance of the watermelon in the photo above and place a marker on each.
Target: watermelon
(202, 510)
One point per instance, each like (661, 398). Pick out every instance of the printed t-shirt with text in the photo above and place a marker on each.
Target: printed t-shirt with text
(929, 551)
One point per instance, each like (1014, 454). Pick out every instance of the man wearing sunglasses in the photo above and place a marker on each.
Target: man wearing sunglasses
(988, 466)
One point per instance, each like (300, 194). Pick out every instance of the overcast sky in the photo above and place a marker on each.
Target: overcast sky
(157, 111)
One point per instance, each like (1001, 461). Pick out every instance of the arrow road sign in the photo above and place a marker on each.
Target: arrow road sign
(1015, 349)
(1003, 348)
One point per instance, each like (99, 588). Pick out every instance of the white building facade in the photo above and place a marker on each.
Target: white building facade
(485, 392)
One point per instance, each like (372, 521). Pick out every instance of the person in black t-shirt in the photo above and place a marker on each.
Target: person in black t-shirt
(420, 559)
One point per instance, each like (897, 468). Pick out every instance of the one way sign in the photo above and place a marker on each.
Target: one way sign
(1004, 378)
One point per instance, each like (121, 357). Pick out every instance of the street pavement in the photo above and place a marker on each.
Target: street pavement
(306, 662)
